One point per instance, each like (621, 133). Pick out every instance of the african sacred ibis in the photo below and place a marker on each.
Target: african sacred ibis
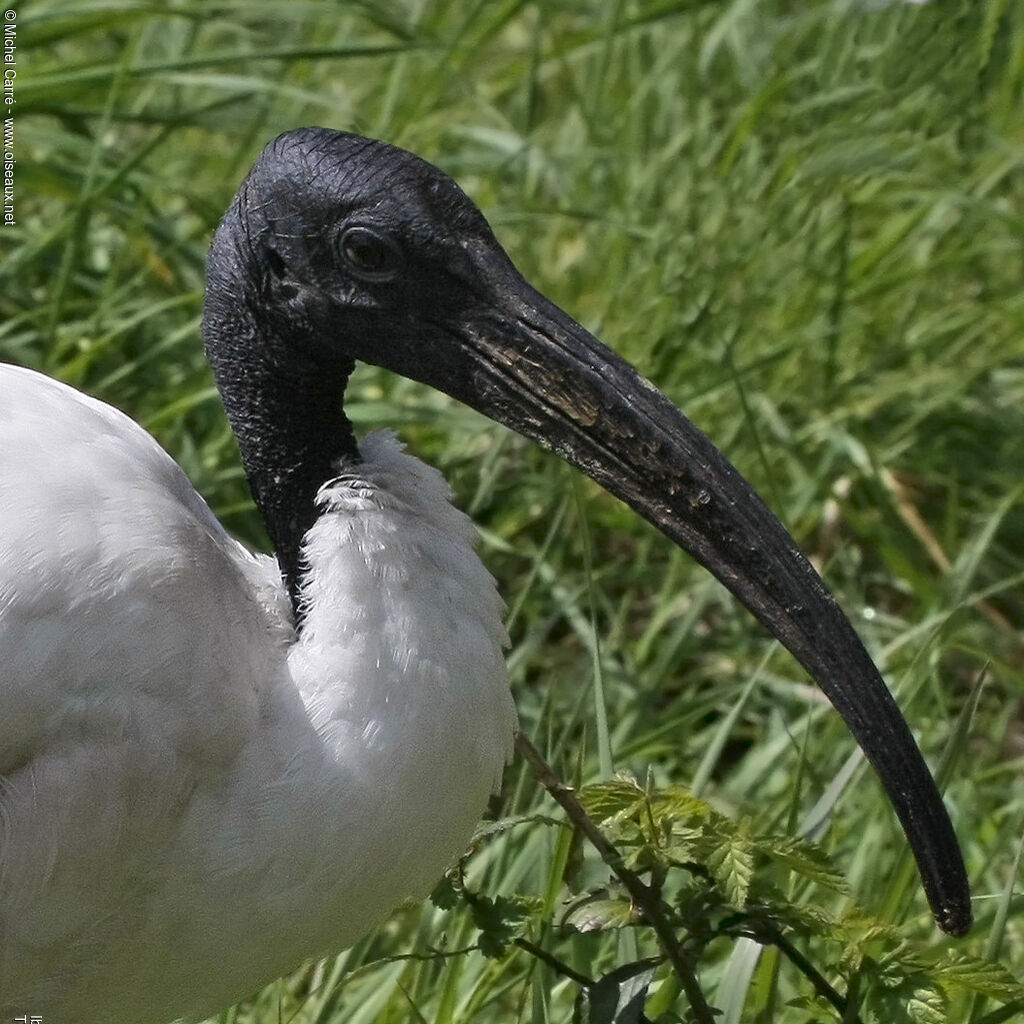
(215, 765)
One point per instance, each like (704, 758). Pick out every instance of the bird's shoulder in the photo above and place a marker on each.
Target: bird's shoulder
(119, 589)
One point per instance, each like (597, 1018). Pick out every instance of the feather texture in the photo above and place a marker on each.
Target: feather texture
(181, 774)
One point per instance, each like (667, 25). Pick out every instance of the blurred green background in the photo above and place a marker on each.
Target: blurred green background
(802, 220)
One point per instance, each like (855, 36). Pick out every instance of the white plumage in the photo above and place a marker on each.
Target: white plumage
(180, 771)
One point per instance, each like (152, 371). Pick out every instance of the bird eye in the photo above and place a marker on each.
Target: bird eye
(369, 255)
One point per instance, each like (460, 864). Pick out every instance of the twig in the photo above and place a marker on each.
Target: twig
(558, 966)
(813, 975)
(768, 935)
(643, 897)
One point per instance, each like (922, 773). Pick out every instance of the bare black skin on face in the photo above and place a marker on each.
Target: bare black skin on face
(340, 249)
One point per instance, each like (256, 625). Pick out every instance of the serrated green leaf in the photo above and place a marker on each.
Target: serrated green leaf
(891, 1008)
(863, 929)
(802, 857)
(732, 864)
(858, 932)
(500, 920)
(897, 965)
(927, 1006)
(806, 919)
(599, 912)
(445, 894)
(605, 800)
(961, 971)
(691, 845)
(679, 803)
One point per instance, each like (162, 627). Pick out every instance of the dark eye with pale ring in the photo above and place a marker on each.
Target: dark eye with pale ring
(368, 254)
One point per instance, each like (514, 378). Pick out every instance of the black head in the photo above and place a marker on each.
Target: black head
(348, 248)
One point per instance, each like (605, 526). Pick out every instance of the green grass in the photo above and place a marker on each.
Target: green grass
(802, 220)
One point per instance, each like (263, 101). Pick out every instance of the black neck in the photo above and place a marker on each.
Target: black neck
(287, 415)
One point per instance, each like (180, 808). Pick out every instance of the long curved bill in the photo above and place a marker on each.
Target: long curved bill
(523, 362)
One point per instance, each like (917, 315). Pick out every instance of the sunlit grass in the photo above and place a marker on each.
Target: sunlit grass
(802, 220)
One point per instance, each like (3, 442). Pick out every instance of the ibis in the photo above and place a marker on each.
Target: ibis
(216, 764)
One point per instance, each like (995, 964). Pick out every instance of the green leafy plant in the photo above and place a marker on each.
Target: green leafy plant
(692, 876)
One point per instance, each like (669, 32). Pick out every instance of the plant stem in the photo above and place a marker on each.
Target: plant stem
(644, 898)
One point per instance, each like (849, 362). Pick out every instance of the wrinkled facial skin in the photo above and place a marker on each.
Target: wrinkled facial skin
(342, 268)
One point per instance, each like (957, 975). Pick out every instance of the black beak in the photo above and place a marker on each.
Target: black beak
(523, 362)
